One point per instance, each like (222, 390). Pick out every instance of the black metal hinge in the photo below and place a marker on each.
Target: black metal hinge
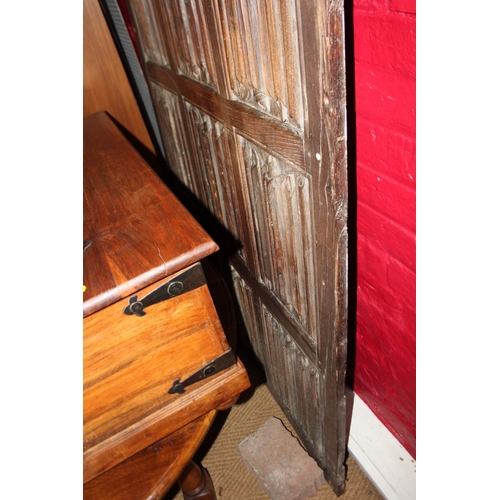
(182, 283)
(215, 366)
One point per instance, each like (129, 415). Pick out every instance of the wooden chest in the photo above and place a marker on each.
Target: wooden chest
(155, 354)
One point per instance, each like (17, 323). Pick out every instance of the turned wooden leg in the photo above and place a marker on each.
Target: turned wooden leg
(196, 484)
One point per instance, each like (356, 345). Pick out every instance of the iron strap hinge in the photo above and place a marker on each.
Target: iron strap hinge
(215, 366)
(184, 282)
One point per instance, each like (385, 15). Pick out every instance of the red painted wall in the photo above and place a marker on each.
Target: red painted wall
(384, 76)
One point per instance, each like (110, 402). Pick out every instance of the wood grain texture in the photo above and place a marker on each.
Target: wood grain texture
(105, 83)
(131, 362)
(150, 25)
(262, 49)
(280, 206)
(140, 232)
(334, 347)
(128, 359)
(219, 389)
(153, 471)
(277, 137)
(187, 23)
(172, 133)
(214, 183)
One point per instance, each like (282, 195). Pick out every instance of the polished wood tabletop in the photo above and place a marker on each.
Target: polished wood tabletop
(139, 231)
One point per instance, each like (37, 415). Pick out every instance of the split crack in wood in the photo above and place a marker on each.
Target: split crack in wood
(159, 253)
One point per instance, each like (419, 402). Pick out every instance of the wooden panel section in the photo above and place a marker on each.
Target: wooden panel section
(280, 206)
(219, 389)
(271, 134)
(293, 374)
(105, 83)
(149, 26)
(217, 185)
(173, 134)
(301, 336)
(250, 307)
(263, 60)
(143, 215)
(188, 25)
(128, 359)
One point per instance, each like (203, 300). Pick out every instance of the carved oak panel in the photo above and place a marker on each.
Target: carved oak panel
(172, 132)
(213, 154)
(294, 374)
(280, 206)
(262, 47)
(250, 307)
(189, 26)
(150, 33)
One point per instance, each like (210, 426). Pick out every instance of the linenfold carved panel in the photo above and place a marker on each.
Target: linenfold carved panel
(150, 37)
(172, 132)
(293, 373)
(262, 45)
(249, 305)
(189, 29)
(280, 205)
(213, 153)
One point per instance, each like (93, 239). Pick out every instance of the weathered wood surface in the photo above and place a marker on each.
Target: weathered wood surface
(250, 97)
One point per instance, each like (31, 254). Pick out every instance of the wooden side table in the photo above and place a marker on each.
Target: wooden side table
(157, 363)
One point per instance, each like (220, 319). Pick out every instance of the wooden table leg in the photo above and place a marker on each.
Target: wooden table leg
(196, 483)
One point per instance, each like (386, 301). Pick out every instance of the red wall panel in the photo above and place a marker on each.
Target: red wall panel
(386, 150)
(385, 95)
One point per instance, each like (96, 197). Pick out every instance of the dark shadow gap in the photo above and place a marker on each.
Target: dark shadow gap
(352, 207)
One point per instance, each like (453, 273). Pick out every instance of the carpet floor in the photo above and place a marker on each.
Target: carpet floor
(219, 453)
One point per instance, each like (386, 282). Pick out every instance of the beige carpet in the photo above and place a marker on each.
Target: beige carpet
(219, 453)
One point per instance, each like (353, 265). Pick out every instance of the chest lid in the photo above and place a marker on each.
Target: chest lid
(135, 230)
